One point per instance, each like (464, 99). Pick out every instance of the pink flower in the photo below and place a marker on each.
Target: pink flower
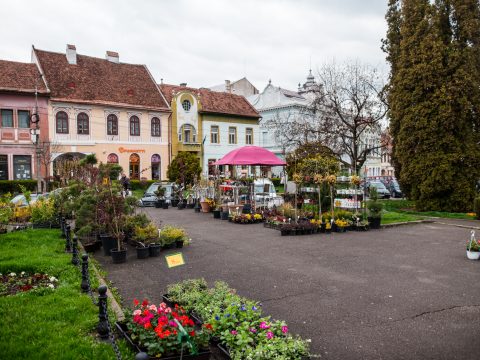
(152, 308)
(234, 332)
(137, 312)
(284, 329)
(263, 325)
(269, 335)
(172, 323)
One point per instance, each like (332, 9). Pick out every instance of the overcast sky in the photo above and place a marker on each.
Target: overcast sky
(203, 42)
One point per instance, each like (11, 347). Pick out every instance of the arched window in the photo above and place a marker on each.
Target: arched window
(186, 105)
(134, 126)
(134, 166)
(62, 122)
(82, 124)
(112, 159)
(156, 129)
(187, 134)
(156, 167)
(112, 124)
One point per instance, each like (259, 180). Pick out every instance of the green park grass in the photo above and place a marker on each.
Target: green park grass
(408, 207)
(47, 324)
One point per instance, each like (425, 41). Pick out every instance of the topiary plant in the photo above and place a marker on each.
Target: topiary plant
(374, 206)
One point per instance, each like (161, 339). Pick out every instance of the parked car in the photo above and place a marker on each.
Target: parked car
(382, 191)
(394, 189)
(149, 198)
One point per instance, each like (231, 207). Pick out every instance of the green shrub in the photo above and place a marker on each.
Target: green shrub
(43, 211)
(140, 184)
(374, 206)
(12, 186)
(170, 234)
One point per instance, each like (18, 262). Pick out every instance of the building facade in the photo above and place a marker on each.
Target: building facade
(18, 82)
(210, 124)
(241, 87)
(104, 107)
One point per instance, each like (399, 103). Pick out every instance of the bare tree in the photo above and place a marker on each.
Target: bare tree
(345, 109)
(47, 151)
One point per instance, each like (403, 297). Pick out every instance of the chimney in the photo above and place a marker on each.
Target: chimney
(183, 84)
(112, 56)
(227, 86)
(71, 54)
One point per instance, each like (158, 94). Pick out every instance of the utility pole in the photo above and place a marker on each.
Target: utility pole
(35, 118)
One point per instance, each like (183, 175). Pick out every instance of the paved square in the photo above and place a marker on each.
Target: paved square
(400, 293)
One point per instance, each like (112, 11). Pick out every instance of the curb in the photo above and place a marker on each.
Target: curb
(457, 225)
(386, 226)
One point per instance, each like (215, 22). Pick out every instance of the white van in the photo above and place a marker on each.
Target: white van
(265, 193)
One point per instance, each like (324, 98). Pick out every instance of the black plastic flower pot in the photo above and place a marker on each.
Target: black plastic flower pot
(108, 243)
(224, 215)
(175, 203)
(374, 222)
(165, 205)
(216, 214)
(143, 252)
(154, 250)
(168, 246)
(181, 205)
(118, 256)
(179, 244)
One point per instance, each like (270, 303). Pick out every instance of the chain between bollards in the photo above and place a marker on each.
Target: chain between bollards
(104, 330)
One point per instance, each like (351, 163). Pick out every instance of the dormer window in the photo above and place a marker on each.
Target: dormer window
(186, 105)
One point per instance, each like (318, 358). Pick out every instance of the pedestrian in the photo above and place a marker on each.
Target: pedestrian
(125, 183)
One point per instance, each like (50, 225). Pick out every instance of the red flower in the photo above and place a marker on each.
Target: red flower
(135, 302)
(148, 325)
(145, 302)
(208, 326)
(192, 333)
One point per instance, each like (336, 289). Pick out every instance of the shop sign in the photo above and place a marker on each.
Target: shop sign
(123, 150)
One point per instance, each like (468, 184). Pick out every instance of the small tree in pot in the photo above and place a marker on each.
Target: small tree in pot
(146, 237)
(374, 209)
(160, 194)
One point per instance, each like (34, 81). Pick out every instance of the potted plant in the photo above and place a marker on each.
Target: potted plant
(374, 209)
(146, 238)
(171, 236)
(162, 332)
(132, 221)
(473, 248)
(160, 193)
(217, 211)
(341, 225)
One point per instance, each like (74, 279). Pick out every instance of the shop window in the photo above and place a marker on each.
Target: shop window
(3, 167)
(22, 167)
(134, 167)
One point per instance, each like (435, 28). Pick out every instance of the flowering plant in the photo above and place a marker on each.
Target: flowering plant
(331, 179)
(210, 202)
(297, 178)
(341, 223)
(258, 216)
(160, 329)
(13, 283)
(473, 245)
(355, 180)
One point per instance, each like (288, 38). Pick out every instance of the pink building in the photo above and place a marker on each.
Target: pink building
(17, 103)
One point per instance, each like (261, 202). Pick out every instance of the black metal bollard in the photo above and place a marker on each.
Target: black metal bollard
(68, 243)
(85, 285)
(141, 356)
(102, 327)
(62, 226)
(75, 260)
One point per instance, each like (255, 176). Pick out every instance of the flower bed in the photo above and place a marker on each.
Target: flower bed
(13, 283)
(237, 322)
(246, 218)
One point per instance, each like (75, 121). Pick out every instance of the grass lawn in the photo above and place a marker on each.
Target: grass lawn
(408, 207)
(138, 193)
(395, 217)
(47, 324)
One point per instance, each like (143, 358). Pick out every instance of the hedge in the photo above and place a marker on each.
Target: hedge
(141, 184)
(12, 186)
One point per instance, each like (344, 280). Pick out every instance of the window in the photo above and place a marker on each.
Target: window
(112, 124)
(82, 124)
(232, 135)
(264, 138)
(249, 136)
(7, 118)
(156, 130)
(23, 119)
(214, 135)
(186, 133)
(62, 122)
(112, 159)
(186, 105)
(22, 167)
(134, 126)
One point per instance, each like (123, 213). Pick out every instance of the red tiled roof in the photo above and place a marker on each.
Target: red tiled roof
(215, 102)
(95, 80)
(20, 77)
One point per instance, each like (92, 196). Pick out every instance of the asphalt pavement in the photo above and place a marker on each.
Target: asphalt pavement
(405, 292)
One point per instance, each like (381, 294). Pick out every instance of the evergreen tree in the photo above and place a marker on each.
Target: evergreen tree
(434, 102)
(184, 168)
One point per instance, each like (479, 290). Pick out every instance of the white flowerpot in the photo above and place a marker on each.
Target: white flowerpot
(473, 255)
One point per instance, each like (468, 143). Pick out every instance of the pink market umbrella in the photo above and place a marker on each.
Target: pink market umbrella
(251, 155)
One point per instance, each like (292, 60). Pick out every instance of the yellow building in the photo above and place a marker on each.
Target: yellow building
(210, 124)
(102, 106)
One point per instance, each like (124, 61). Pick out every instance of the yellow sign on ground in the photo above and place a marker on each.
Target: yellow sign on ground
(175, 260)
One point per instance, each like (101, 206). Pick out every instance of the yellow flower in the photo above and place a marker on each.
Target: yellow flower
(297, 178)
(331, 179)
(355, 180)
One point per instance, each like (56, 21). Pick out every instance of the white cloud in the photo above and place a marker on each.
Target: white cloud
(203, 42)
